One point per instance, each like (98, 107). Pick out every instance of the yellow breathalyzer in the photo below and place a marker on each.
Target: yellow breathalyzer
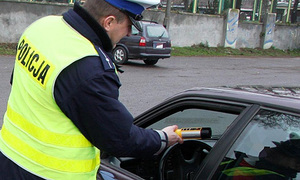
(194, 133)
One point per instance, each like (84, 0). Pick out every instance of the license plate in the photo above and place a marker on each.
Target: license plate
(159, 45)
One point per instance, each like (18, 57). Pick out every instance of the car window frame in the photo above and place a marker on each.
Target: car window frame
(169, 107)
(208, 168)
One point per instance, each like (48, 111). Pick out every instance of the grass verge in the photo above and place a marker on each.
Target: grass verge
(8, 48)
(202, 50)
(198, 50)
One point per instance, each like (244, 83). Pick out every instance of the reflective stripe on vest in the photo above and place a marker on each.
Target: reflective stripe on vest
(76, 166)
(35, 134)
(45, 135)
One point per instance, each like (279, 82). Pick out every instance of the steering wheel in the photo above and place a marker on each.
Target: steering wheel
(181, 161)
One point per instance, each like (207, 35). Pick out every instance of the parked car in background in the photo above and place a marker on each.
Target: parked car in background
(149, 45)
(255, 135)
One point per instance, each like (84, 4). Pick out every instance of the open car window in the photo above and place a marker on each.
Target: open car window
(185, 113)
(218, 121)
(269, 148)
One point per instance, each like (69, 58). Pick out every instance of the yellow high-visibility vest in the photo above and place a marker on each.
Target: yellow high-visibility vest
(36, 134)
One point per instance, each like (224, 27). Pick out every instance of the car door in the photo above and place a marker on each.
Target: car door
(235, 125)
(185, 111)
(219, 115)
(268, 148)
(249, 141)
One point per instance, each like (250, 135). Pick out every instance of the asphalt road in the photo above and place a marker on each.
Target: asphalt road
(145, 86)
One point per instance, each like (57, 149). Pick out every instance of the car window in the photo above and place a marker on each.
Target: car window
(269, 148)
(134, 31)
(157, 31)
(217, 121)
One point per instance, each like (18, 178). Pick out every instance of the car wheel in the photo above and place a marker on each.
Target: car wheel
(150, 61)
(120, 55)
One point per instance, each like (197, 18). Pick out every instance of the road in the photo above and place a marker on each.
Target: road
(145, 86)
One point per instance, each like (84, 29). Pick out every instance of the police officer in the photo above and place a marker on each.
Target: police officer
(63, 106)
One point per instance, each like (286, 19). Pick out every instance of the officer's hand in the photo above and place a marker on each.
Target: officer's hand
(172, 136)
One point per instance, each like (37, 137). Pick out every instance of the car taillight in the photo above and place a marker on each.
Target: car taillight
(142, 41)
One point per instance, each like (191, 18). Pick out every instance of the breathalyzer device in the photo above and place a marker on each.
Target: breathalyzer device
(194, 133)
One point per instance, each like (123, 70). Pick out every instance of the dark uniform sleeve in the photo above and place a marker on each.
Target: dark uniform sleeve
(88, 94)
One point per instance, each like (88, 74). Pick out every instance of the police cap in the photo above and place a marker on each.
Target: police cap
(133, 8)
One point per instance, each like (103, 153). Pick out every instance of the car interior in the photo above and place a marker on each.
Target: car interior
(180, 161)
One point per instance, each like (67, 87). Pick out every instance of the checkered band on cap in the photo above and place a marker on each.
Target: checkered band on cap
(135, 7)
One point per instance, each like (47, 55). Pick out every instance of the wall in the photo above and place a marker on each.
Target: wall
(188, 29)
(185, 29)
(290, 35)
(16, 16)
(248, 35)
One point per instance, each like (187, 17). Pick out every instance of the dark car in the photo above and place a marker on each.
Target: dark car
(149, 45)
(255, 135)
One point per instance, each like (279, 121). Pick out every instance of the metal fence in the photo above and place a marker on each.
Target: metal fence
(287, 11)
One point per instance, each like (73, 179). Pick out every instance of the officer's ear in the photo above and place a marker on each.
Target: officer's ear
(108, 22)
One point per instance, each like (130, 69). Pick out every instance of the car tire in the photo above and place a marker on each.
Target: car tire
(151, 61)
(120, 55)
